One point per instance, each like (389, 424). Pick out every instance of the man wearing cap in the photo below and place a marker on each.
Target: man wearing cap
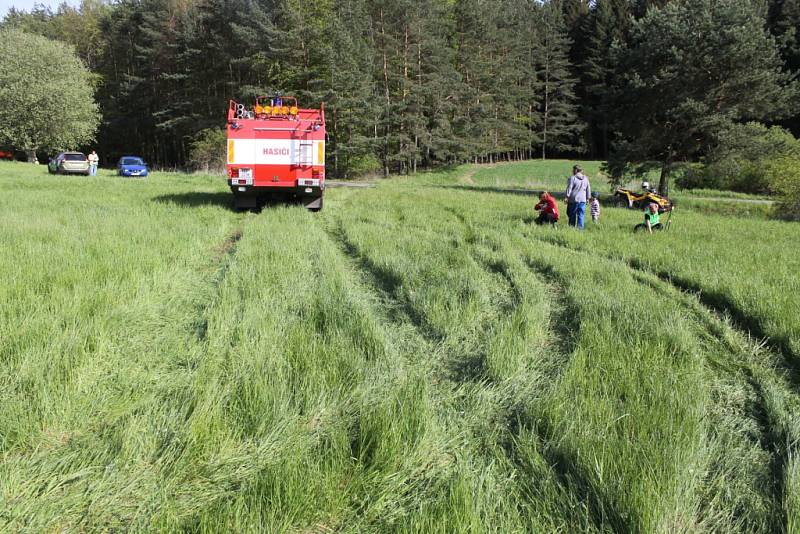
(578, 192)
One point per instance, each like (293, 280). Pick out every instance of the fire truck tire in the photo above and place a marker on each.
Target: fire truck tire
(242, 202)
(315, 205)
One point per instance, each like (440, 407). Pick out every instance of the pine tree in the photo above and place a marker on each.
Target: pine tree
(640, 7)
(608, 24)
(350, 100)
(476, 32)
(560, 126)
(783, 21)
(693, 70)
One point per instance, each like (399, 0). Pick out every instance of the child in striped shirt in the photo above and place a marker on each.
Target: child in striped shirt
(594, 207)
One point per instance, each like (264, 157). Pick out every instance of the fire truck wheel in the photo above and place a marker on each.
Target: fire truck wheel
(315, 205)
(242, 203)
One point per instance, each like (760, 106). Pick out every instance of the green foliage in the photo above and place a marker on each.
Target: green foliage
(783, 175)
(368, 164)
(79, 26)
(410, 83)
(560, 128)
(691, 71)
(607, 24)
(46, 96)
(742, 160)
(783, 21)
(435, 82)
(208, 150)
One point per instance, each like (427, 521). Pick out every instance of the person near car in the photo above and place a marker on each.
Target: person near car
(94, 159)
(578, 193)
(547, 208)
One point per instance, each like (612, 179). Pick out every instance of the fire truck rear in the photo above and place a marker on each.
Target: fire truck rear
(276, 151)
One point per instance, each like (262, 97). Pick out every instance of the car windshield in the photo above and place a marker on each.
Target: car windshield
(74, 157)
(132, 161)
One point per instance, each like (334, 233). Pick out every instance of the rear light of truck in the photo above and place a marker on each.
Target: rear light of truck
(241, 176)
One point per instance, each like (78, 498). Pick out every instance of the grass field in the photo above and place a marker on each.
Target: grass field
(418, 357)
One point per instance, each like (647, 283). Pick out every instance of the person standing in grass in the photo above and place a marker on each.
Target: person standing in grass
(547, 208)
(594, 207)
(578, 193)
(94, 159)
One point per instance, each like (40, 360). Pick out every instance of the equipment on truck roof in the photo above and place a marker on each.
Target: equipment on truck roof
(276, 151)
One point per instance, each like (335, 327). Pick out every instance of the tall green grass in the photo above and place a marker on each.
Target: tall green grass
(416, 358)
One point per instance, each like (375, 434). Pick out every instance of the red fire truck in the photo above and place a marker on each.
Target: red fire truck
(276, 151)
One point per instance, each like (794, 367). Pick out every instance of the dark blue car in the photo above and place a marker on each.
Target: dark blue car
(131, 166)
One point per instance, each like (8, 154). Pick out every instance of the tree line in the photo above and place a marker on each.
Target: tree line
(418, 83)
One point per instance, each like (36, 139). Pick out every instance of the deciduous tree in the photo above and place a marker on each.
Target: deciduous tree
(46, 96)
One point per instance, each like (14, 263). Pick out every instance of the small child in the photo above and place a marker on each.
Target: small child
(594, 207)
(651, 218)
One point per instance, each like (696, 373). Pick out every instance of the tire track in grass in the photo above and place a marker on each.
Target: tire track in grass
(714, 312)
(719, 303)
(565, 326)
(774, 438)
(565, 323)
(422, 338)
(458, 370)
(90, 499)
(574, 487)
(386, 283)
(223, 258)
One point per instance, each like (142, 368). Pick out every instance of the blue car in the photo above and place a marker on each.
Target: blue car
(131, 166)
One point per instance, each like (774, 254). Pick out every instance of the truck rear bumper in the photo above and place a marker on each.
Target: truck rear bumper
(273, 191)
(247, 196)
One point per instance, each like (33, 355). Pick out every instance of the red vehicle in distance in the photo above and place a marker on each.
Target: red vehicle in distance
(276, 151)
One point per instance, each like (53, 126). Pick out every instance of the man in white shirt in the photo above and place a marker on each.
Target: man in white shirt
(94, 159)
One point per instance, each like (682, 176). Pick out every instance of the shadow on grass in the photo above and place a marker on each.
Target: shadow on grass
(724, 305)
(569, 473)
(198, 199)
(500, 190)
(386, 283)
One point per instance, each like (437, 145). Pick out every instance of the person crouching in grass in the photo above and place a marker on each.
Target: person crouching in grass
(547, 208)
(651, 218)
